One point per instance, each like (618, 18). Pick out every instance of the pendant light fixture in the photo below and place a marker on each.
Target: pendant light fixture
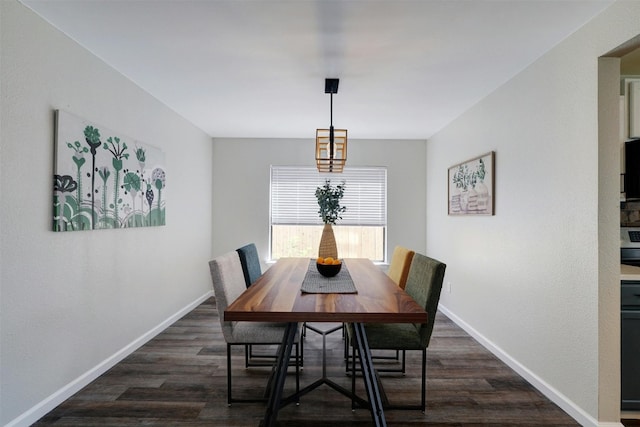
(331, 144)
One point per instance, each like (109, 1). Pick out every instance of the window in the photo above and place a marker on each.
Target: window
(296, 226)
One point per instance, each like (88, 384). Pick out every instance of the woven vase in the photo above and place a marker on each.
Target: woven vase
(328, 245)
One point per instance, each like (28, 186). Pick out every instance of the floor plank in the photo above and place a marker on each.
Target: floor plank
(179, 379)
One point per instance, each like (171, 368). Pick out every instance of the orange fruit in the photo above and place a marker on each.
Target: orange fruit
(320, 260)
(336, 262)
(328, 260)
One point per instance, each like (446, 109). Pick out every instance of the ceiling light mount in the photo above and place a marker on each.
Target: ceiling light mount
(331, 144)
(331, 85)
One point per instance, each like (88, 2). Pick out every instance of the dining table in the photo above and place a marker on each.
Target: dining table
(291, 291)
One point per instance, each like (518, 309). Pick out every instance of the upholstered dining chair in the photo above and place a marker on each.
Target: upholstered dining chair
(424, 284)
(228, 283)
(252, 270)
(398, 272)
(399, 265)
(250, 263)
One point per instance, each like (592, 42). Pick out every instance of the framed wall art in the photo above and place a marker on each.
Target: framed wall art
(471, 186)
(105, 180)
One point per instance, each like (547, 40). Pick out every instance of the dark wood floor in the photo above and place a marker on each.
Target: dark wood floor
(179, 379)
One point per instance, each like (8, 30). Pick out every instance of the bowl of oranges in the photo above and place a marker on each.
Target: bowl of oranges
(328, 266)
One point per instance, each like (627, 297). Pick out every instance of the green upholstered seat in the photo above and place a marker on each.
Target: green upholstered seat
(398, 272)
(424, 284)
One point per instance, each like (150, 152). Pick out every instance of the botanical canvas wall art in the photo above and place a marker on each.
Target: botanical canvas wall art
(105, 180)
(471, 186)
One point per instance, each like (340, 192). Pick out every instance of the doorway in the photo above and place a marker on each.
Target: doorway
(623, 61)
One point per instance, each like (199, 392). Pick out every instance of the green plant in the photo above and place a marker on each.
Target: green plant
(329, 201)
(465, 178)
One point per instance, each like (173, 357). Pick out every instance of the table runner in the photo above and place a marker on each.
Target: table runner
(316, 283)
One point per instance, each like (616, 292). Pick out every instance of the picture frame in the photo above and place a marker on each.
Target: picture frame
(471, 186)
(104, 179)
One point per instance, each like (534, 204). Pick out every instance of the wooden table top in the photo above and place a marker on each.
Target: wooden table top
(276, 297)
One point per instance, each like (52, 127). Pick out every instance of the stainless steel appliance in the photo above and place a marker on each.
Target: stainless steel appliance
(630, 245)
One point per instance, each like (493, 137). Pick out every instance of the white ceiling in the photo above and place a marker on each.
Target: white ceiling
(256, 68)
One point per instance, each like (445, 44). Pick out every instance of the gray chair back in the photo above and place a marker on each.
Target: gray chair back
(424, 284)
(228, 284)
(250, 263)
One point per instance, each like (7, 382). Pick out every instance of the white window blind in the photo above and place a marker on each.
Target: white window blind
(293, 200)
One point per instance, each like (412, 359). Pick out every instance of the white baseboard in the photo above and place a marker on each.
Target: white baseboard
(44, 407)
(550, 392)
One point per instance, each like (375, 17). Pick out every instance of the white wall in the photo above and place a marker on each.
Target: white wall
(73, 303)
(526, 281)
(241, 187)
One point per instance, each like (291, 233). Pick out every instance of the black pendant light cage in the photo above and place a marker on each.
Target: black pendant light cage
(331, 144)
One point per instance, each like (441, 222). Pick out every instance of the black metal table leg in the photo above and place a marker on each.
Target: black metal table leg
(369, 375)
(275, 389)
(282, 363)
(324, 379)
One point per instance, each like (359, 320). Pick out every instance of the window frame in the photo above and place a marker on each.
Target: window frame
(366, 204)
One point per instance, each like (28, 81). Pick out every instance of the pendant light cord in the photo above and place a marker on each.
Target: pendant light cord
(331, 129)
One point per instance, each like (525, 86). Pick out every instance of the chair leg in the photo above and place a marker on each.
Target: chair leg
(346, 355)
(298, 359)
(247, 347)
(353, 377)
(301, 361)
(387, 405)
(346, 351)
(248, 355)
(424, 379)
(229, 374)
